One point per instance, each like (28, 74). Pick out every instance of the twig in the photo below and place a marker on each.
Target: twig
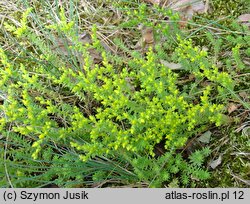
(5, 158)
(240, 179)
(240, 153)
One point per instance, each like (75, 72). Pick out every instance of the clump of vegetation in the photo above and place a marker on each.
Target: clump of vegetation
(89, 114)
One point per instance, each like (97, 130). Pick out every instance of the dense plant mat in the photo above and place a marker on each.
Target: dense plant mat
(124, 93)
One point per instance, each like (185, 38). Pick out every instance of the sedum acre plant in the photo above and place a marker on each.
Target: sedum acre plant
(112, 108)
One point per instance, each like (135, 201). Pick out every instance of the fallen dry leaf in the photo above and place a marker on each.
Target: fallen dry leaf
(187, 8)
(62, 46)
(199, 7)
(171, 65)
(244, 19)
(213, 164)
(146, 40)
(232, 107)
(156, 2)
(148, 35)
(205, 137)
(244, 95)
